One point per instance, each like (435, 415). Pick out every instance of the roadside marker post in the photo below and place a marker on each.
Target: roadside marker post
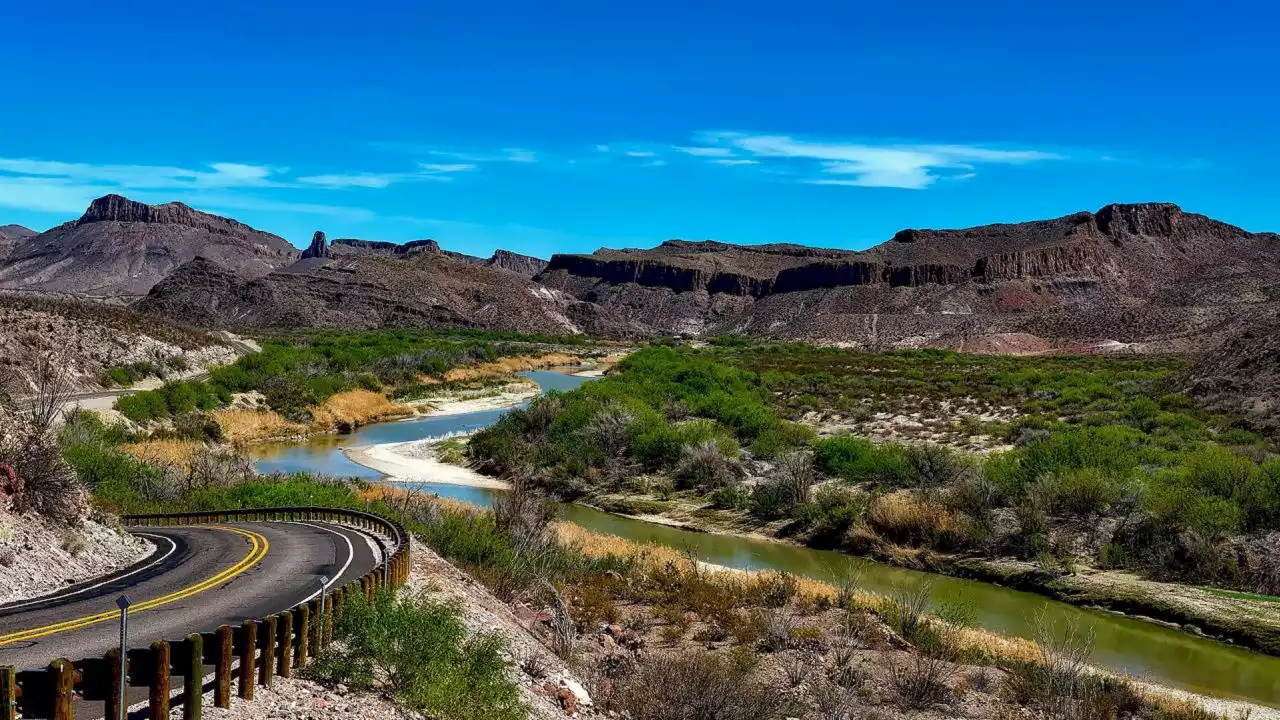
(324, 616)
(122, 706)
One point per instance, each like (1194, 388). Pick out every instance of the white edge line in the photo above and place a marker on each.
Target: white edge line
(351, 555)
(173, 546)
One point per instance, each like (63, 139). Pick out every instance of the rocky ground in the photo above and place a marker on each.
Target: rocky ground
(38, 556)
(85, 340)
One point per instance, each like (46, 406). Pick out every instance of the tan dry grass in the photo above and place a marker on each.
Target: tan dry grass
(508, 365)
(164, 452)
(353, 408)
(904, 514)
(244, 426)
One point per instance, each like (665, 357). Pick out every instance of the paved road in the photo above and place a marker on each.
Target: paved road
(200, 577)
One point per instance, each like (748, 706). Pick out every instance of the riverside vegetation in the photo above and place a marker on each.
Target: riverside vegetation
(654, 632)
(307, 383)
(1058, 462)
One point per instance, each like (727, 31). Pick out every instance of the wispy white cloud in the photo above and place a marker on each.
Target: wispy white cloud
(219, 174)
(708, 152)
(868, 164)
(68, 187)
(733, 161)
(446, 168)
(504, 155)
(360, 180)
(640, 153)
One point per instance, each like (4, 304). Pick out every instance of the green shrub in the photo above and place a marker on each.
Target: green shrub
(859, 460)
(834, 510)
(418, 650)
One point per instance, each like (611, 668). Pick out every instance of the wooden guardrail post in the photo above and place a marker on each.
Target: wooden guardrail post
(304, 622)
(193, 679)
(339, 599)
(268, 651)
(286, 645)
(222, 667)
(248, 656)
(327, 627)
(64, 679)
(159, 702)
(112, 659)
(317, 623)
(8, 693)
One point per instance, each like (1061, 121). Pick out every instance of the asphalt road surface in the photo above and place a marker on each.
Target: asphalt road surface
(200, 577)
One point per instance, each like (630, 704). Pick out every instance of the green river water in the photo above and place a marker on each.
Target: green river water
(1144, 650)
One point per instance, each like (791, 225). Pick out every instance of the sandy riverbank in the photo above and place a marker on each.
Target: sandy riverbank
(415, 461)
(507, 396)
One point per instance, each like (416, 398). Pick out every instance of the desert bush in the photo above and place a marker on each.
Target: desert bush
(698, 686)
(703, 465)
(905, 611)
(1076, 493)
(787, 486)
(833, 510)
(417, 650)
(936, 466)
(920, 680)
(730, 497)
(859, 460)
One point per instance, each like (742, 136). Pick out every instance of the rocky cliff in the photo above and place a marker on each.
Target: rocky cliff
(121, 248)
(1137, 277)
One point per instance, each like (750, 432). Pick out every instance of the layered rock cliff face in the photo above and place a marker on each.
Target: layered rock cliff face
(1128, 277)
(120, 248)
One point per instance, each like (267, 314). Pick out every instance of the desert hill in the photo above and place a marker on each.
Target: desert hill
(120, 249)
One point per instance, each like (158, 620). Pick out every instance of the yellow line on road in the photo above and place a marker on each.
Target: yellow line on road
(259, 551)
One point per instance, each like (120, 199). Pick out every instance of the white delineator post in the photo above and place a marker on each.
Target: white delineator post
(122, 707)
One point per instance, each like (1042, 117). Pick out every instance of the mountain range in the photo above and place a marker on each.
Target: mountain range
(1127, 278)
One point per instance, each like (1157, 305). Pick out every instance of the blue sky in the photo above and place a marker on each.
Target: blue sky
(566, 126)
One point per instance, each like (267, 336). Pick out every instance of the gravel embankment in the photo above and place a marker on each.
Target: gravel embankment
(38, 557)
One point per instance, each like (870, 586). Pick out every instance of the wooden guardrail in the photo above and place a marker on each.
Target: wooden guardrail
(265, 647)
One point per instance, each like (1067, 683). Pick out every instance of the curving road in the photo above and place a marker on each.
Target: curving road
(200, 577)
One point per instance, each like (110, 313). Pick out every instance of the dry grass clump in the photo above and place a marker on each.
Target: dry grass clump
(347, 410)
(243, 426)
(910, 519)
(177, 453)
(508, 365)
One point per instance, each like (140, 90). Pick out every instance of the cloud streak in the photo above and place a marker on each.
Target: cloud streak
(912, 166)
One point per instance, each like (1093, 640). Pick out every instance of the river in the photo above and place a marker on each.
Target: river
(1144, 650)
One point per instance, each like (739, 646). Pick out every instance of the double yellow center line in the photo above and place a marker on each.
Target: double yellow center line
(259, 550)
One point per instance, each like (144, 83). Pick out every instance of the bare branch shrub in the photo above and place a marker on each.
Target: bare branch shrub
(704, 466)
(563, 631)
(698, 686)
(920, 680)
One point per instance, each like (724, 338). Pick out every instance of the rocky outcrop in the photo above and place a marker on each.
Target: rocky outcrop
(515, 262)
(1079, 258)
(344, 245)
(319, 247)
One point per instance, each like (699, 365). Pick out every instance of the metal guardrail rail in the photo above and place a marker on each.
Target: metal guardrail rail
(264, 647)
